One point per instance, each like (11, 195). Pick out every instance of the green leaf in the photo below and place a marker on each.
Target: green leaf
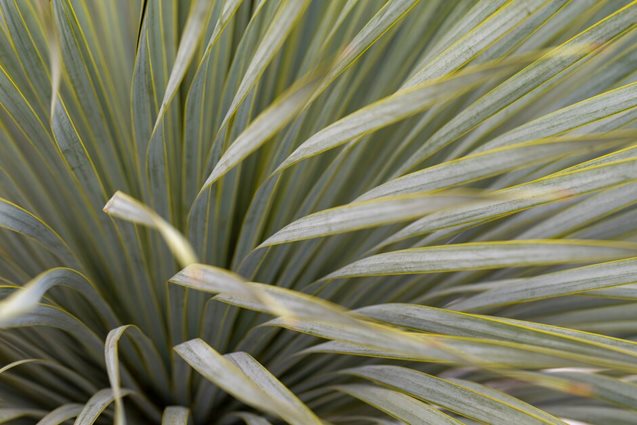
(389, 110)
(484, 256)
(155, 56)
(242, 377)
(175, 415)
(587, 211)
(266, 125)
(26, 299)
(455, 157)
(251, 419)
(94, 408)
(61, 414)
(146, 350)
(389, 343)
(397, 404)
(95, 82)
(387, 17)
(595, 385)
(552, 188)
(366, 214)
(552, 64)
(586, 112)
(124, 207)
(274, 388)
(596, 415)
(288, 14)
(455, 397)
(311, 315)
(449, 322)
(495, 161)
(46, 316)
(55, 55)
(491, 28)
(193, 31)
(506, 399)
(19, 220)
(267, 298)
(9, 414)
(566, 282)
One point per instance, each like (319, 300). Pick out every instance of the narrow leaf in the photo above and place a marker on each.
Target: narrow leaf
(124, 207)
(366, 214)
(561, 283)
(175, 415)
(484, 256)
(280, 27)
(225, 373)
(61, 414)
(462, 400)
(94, 408)
(398, 405)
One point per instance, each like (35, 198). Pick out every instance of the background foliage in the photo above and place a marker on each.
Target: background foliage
(345, 212)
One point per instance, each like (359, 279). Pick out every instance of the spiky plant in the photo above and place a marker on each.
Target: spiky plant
(437, 198)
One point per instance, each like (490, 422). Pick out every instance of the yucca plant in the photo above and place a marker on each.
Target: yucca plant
(318, 212)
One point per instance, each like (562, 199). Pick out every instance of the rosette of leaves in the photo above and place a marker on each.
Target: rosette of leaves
(318, 212)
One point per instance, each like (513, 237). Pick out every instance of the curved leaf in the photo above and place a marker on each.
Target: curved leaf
(127, 208)
(398, 404)
(462, 400)
(19, 220)
(61, 414)
(94, 408)
(236, 374)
